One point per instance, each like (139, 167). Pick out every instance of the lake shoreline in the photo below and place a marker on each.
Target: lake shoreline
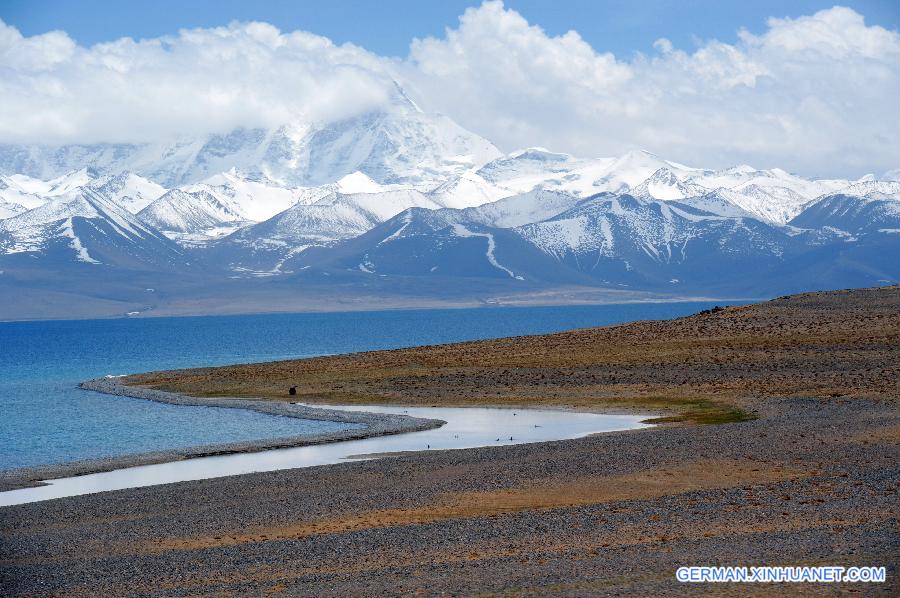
(608, 507)
(376, 424)
(809, 477)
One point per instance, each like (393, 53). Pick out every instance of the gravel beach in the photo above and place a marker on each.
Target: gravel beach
(801, 466)
(809, 482)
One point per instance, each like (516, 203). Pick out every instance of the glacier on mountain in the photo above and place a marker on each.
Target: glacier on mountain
(400, 144)
(403, 195)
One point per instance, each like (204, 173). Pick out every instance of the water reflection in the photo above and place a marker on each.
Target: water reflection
(466, 428)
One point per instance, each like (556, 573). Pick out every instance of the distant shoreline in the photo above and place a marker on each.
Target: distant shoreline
(318, 305)
(376, 424)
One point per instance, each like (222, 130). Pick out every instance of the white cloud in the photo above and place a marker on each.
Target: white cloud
(816, 94)
(201, 80)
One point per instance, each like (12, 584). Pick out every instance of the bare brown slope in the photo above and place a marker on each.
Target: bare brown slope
(842, 343)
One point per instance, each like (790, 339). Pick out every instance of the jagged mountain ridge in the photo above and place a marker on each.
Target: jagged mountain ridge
(271, 224)
(85, 227)
(409, 195)
(399, 144)
(867, 207)
(609, 239)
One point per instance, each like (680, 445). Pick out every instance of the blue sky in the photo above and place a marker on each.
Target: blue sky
(387, 26)
(800, 85)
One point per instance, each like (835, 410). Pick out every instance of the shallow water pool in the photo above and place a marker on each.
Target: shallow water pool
(466, 427)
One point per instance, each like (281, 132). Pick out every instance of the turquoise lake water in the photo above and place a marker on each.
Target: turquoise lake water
(45, 418)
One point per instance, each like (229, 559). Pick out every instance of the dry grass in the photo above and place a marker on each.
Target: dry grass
(843, 343)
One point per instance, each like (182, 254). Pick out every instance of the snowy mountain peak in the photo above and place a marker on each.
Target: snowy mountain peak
(539, 154)
(467, 190)
(740, 169)
(254, 198)
(84, 226)
(193, 215)
(18, 194)
(401, 98)
(663, 176)
(663, 184)
(70, 180)
(631, 169)
(772, 204)
(81, 202)
(524, 170)
(870, 207)
(872, 190)
(399, 144)
(128, 189)
(357, 182)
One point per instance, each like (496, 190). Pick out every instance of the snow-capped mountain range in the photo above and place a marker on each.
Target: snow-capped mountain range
(400, 144)
(411, 195)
